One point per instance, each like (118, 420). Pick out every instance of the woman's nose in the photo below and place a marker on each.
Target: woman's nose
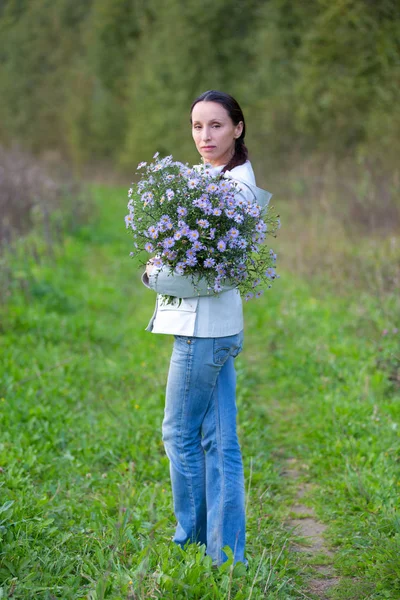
(205, 134)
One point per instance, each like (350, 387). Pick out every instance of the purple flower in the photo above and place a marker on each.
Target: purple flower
(185, 229)
(212, 233)
(230, 213)
(153, 232)
(191, 261)
(241, 243)
(170, 194)
(248, 296)
(256, 282)
(217, 287)
(157, 262)
(238, 218)
(141, 165)
(254, 211)
(224, 185)
(198, 202)
(261, 226)
(221, 245)
(148, 198)
(209, 262)
(178, 235)
(180, 268)
(182, 211)
(217, 211)
(193, 183)
(128, 220)
(273, 255)
(233, 233)
(211, 188)
(203, 223)
(193, 235)
(149, 247)
(204, 204)
(270, 273)
(220, 270)
(197, 246)
(166, 161)
(170, 254)
(168, 242)
(191, 253)
(259, 293)
(186, 172)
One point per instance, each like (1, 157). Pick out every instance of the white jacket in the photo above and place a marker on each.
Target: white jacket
(196, 311)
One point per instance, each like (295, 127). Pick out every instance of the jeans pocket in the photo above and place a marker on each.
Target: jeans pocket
(226, 347)
(221, 353)
(237, 350)
(238, 345)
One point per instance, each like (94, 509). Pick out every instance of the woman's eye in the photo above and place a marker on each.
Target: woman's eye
(216, 126)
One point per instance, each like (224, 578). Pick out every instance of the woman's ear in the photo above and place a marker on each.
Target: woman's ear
(238, 130)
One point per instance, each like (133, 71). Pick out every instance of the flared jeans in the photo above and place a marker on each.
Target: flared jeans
(200, 439)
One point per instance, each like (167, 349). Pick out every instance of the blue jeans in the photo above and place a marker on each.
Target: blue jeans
(200, 438)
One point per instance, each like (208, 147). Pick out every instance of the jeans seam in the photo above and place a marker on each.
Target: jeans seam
(222, 472)
(183, 453)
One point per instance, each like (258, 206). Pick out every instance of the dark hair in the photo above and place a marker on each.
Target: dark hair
(235, 112)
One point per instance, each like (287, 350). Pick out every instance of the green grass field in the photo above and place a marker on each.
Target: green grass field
(85, 501)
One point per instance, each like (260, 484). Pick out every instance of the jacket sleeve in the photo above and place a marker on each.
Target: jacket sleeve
(166, 282)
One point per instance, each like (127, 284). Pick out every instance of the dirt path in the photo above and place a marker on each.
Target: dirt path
(310, 534)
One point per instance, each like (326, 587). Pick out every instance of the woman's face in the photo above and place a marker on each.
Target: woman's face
(214, 132)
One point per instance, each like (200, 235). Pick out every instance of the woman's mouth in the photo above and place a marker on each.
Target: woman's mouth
(208, 147)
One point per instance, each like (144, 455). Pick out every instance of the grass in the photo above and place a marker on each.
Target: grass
(85, 501)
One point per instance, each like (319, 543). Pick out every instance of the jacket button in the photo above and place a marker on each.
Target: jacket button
(188, 342)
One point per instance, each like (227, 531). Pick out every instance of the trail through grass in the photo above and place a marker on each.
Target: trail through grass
(85, 509)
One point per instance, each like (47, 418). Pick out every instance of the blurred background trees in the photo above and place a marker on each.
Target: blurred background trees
(114, 79)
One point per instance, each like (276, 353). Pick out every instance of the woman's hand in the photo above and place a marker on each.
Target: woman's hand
(149, 267)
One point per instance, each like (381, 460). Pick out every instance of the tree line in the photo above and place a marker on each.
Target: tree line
(114, 79)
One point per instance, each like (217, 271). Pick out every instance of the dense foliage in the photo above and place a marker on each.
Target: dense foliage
(114, 78)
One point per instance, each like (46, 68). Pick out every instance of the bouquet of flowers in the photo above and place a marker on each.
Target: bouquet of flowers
(201, 225)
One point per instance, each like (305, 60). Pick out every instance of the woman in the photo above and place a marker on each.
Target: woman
(199, 427)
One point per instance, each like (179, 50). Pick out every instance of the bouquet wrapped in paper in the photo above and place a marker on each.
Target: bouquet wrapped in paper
(202, 225)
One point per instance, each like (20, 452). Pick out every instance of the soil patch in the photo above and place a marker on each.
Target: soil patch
(310, 537)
